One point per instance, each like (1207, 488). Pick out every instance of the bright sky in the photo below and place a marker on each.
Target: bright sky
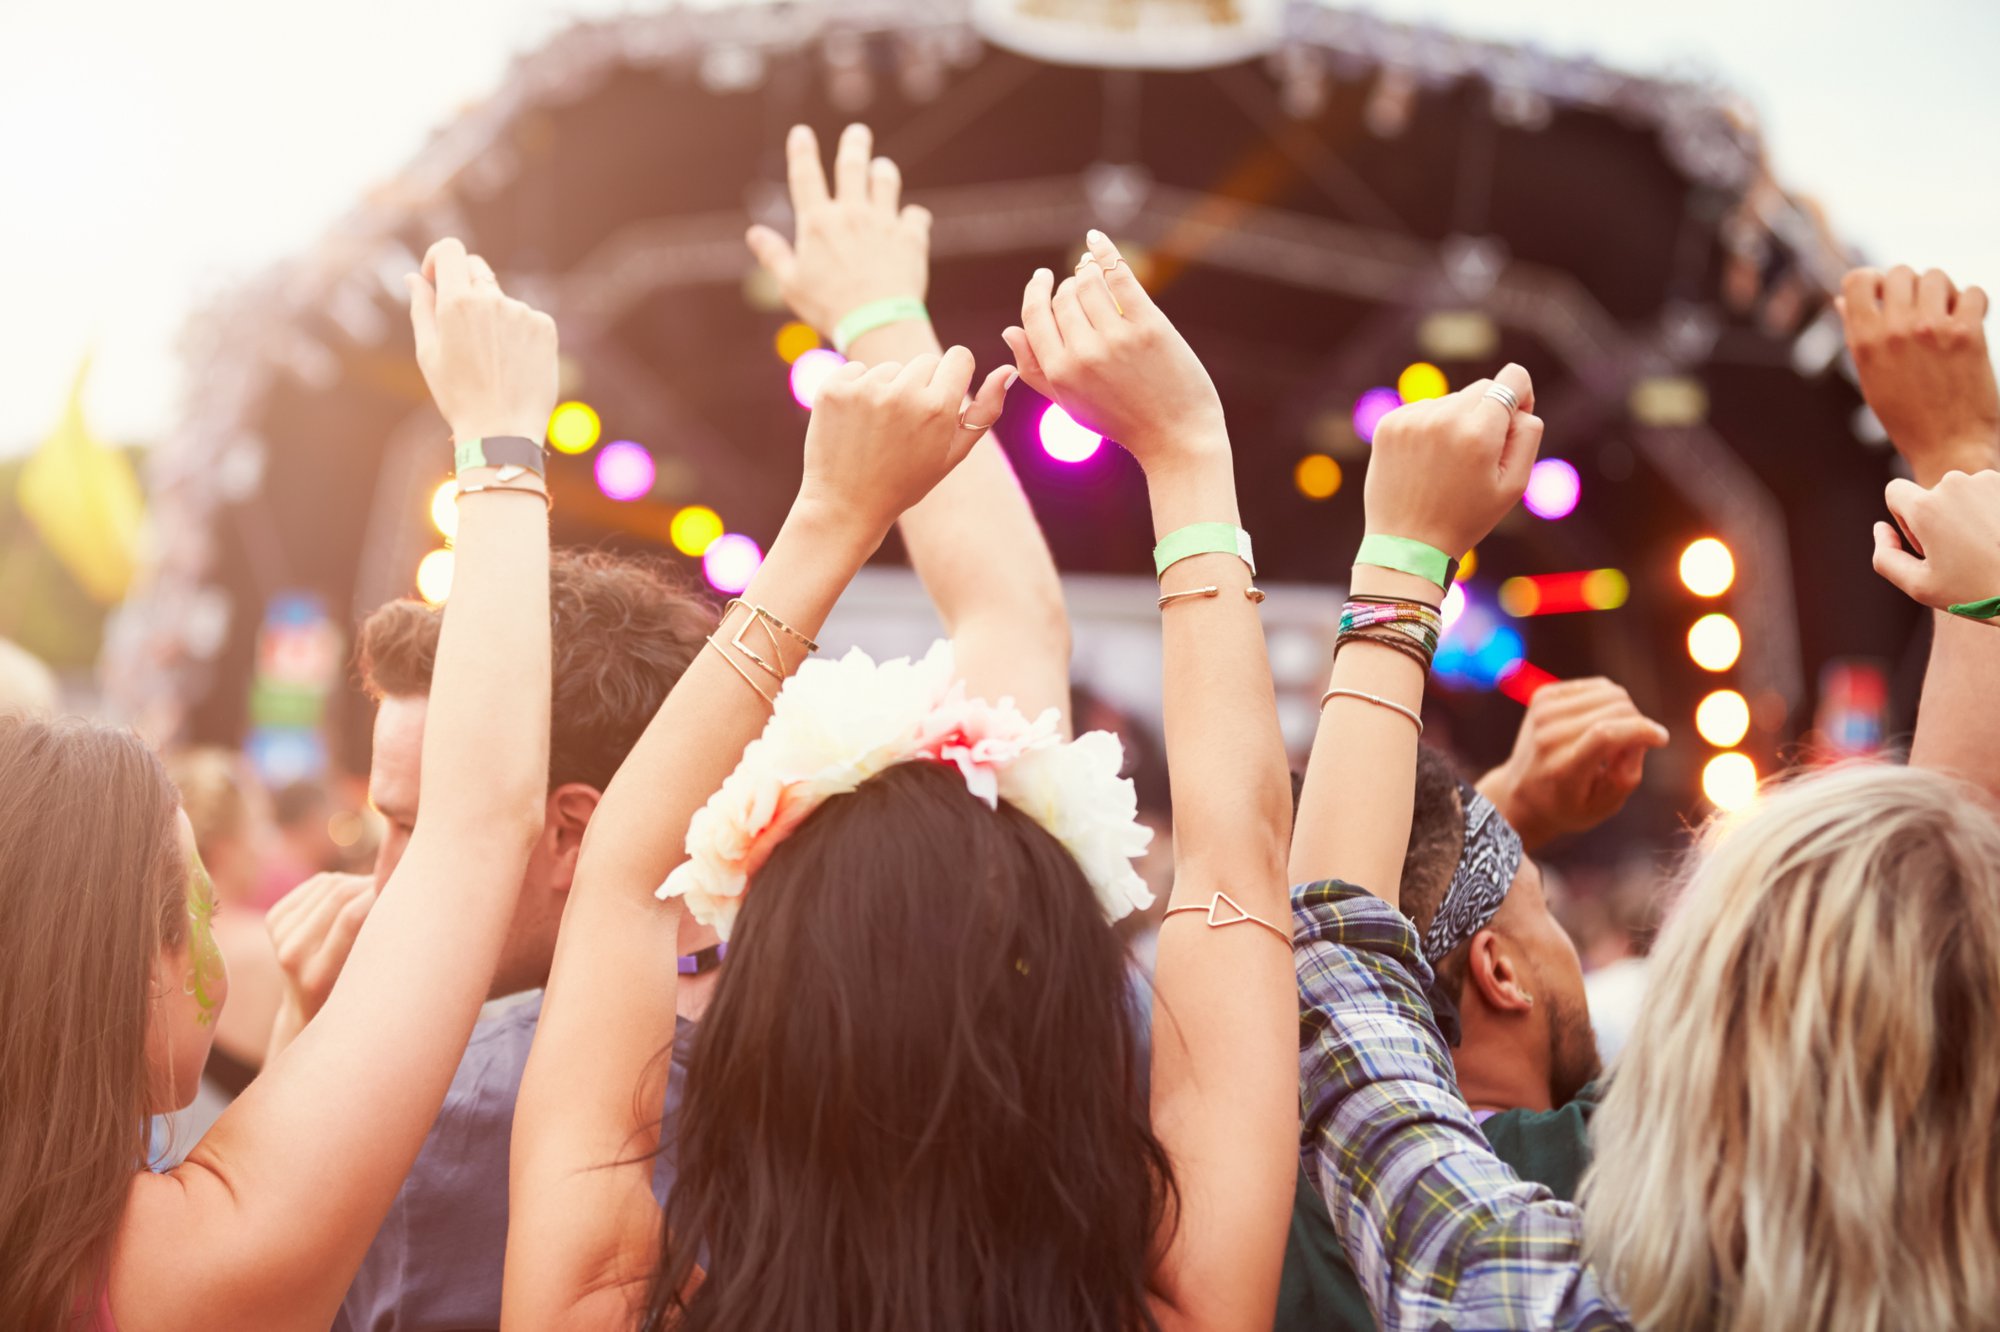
(155, 153)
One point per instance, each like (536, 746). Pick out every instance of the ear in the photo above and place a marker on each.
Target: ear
(569, 809)
(1492, 970)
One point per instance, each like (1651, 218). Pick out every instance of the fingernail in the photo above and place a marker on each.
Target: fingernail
(1087, 259)
(1097, 237)
(1008, 382)
(1041, 273)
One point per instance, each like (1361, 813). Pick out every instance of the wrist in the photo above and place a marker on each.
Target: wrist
(837, 530)
(1973, 454)
(1192, 489)
(1367, 580)
(1503, 788)
(896, 342)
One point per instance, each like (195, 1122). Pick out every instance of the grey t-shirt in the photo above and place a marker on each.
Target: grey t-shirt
(435, 1264)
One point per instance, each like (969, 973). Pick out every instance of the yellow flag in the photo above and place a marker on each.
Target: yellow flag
(84, 499)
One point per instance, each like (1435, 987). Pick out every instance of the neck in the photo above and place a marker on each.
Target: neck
(1496, 1074)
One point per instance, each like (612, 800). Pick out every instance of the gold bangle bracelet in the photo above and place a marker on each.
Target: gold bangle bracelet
(1223, 911)
(495, 488)
(1191, 594)
(737, 666)
(1377, 700)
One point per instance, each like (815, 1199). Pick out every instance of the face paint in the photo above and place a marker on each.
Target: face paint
(204, 957)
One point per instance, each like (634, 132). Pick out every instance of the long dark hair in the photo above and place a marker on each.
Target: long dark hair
(914, 1102)
(92, 885)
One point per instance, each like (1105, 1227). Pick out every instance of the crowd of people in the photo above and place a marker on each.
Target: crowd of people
(819, 1016)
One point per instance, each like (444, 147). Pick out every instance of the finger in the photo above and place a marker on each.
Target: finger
(344, 929)
(1119, 278)
(850, 164)
(1899, 291)
(312, 926)
(984, 410)
(1906, 500)
(916, 219)
(1628, 769)
(771, 251)
(1099, 306)
(950, 375)
(1861, 295)
(918, 371)
(1024, 360)
(885, 185)
(1077, 334)
(450, 272)
(423, 323)
(1605, 738)
(1935, 294)
(802, 169)
(1517, 456)
(1038, 320)
(883, 372)
(1971, 307)
(1899, 566)
(481, 272)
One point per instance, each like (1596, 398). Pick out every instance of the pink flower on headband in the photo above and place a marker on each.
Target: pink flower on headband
(838, 723)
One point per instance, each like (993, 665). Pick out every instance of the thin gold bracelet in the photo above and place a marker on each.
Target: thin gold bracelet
(1190, 595)
(1377, 700)
(737, 666)
(1235, 915)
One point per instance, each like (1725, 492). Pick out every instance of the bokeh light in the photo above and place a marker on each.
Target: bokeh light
(795, 340)
(444, 510)
(625, 471)
(434, 577)
(1606, 589)
(1520, 597)
(1454, 604)
(1468, 566)
(1421, 380)
(694, 529)
(1553, 489)
(1066, 439)
(1723, 718)
(810, 370)
(574, 427)
(1729, 781)
(730, 562)
(1715, 642)
(1317, 477)
(1707, 568)
(1371, 407)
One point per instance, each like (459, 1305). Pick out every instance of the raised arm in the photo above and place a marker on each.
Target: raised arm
(1440, 475)
(1920, 347)
(286, 1191)
(1225, 1097)
(863, 258)
(584, 1238)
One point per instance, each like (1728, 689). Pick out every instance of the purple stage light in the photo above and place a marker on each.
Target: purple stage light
(1065, 439)
(1553, 489)
(811, 370)
(625, 471)
(731, 562)
(1371, 407)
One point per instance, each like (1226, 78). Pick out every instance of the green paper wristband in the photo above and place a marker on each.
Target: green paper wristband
(1988, 609)
(499, 451)
(874, 315)
(1406, 556)
(1203, 539)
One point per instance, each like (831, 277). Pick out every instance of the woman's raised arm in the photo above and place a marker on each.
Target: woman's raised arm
(284, 1194)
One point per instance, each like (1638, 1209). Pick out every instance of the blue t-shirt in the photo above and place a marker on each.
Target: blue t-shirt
(435, 1265)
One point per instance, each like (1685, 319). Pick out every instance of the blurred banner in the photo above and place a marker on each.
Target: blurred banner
(83, 497)
(1145, 34)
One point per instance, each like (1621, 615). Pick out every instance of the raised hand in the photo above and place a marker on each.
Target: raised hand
(1579, 755)
(1444, 471)
(1098, 345)
(1955, 527)
(856, 242)
(489, 359)
(882, 436)
(1919, 344)
(313, 929)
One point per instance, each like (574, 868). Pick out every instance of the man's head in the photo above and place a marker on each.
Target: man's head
(1509, 969)
(623, 629)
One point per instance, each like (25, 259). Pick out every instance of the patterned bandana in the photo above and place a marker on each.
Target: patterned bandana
(1486, 869)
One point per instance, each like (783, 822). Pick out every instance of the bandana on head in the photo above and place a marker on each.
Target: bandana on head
(1486, 869)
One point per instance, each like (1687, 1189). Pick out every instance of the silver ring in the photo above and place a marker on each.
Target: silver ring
(1503, 395)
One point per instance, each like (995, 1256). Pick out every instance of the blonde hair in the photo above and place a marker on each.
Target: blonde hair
(1805, 1128)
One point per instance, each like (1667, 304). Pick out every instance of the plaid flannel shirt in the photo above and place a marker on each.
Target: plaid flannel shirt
(1440, 1231)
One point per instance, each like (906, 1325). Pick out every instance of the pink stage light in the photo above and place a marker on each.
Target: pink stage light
(1371, 407)
(625, 471)
(731, 562)
(811, 370)
(1454, 604)
(1065, 440)
(1553, 489)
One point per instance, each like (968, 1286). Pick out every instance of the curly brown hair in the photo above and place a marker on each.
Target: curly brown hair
(624, 627)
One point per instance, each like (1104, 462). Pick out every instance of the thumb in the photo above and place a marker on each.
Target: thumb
(1910, 574)
(1517, 456)
(1025, 360)
(423, 313)
(770, 250)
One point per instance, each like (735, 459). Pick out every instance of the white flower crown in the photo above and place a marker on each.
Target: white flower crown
(838, 723)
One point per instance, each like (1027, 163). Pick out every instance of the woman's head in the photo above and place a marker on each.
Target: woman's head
(915, 1100)
(111, 987)
(1805, 1127)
